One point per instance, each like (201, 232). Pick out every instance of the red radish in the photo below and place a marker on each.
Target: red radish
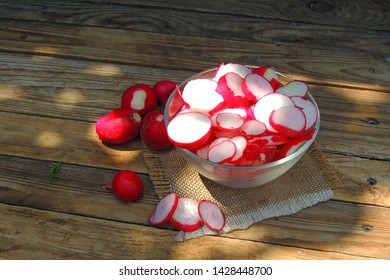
(190, 130)
(294, 88)
(211, 215)
(140, 98)
(240, 142)
(164, 210)
(119, 126)
(255, 87)
(222, 152)
(223, 69)
(253, 128)
(288, 120)
(177, 104)
(186, 216)
(127, 186)
(270, 74)
(266, 105)
(153, 131)
(230, 87)
(229, 121)
(308, 108)
(163, 90)
(201, 96)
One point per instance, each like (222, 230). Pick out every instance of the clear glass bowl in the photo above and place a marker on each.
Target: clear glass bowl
(236, 176)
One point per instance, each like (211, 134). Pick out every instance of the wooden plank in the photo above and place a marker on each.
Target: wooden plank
(67, 140)
(28, 233)
(190, 53)
(366, 14)
(210, 23)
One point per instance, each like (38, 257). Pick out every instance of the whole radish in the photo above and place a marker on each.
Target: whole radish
(119, 126)
(153, 131)
(127, 186)
(163, 90)
(140, 98)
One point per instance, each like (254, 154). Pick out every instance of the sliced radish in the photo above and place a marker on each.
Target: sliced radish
(186, 216)
(239, 111)
(272, 139)
(230, 87)
(211, 215)
(294, 88)
(253, 128)
(201, 96)
(223, 69)
(222, 152)
(266, 105)
(218, 140)
(289, 121)
(308, 108)
(190, 130)
(241, 144)
(229, 121)
(255, 87)
(252, 152)
(270, 74)
(164, 210)
(203, 151)
(291, 147)
(267, 154)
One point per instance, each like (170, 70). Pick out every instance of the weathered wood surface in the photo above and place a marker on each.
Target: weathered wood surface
(63, 65)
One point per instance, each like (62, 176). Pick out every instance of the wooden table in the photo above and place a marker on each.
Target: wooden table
(64, 64)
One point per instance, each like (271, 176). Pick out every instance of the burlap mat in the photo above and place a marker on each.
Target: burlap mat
(309, 182)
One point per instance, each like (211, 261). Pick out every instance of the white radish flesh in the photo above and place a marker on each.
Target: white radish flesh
(294, 88)
(289, 121)
(201, 96)
(164, 209)
(231, 67)
(253, 128)
(229, 121)
(255, 87)
(186, 216)
(266, 105)
(222, 152)
(240, 142)
(189, 130)
(211, 215)
(308, 108)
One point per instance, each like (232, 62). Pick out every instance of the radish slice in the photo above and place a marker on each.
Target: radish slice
(211, 215)
(239, 111)
(230, 87)
(223, 69)
(266, 105)
(222, 152)
(190, 130)
(273, 139)
(294, 88)
(218, 140)
(164, 210)
(253, 128)
(308, 108)
(202, 152)
(186, 216)
(291, 147)
(270, 74)
(255, 87)
(229, 121)
(241, 144)
(200, 95)
(289, 121)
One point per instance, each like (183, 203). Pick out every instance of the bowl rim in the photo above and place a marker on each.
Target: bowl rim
(271, 164)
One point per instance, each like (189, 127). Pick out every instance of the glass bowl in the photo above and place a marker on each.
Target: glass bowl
(236, 176)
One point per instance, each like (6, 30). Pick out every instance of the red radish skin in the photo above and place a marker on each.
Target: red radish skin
(186, 217)
(294, 88)
(153, 131)
(289, 121)
(127, 186)
(201, 96)
(211, 215)
(163, 90)
(255, 87)
(119, 126)
(164, 210)
(140, 98)
(190, 130)
(267, 154)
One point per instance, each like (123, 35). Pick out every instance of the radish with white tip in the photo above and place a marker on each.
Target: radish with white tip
(211, 215)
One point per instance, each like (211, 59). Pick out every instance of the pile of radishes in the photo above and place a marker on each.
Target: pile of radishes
(243, 116)
(187, 214)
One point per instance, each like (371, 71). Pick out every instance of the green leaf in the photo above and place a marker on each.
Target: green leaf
(54, 170)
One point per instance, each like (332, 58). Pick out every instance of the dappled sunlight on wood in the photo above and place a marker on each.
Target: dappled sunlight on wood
(104, 70)
(11, 92)
(47, 50)
(70, 96)
(48, 139)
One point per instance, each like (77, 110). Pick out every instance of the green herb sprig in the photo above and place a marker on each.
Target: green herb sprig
(54, 170)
